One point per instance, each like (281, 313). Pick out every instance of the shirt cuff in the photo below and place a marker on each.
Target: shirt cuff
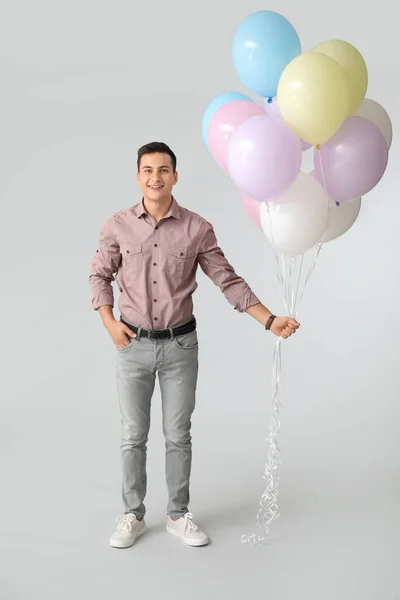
(103, 300)
(250, 299)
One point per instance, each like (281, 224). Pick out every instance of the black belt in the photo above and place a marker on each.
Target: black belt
(162, 334)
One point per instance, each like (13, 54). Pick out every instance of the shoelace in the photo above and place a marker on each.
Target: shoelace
(189, 523)
(125, 522)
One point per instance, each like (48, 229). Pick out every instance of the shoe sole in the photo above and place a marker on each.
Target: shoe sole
(187, 542)
(117, 544)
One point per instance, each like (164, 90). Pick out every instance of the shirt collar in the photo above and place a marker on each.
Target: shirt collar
(173, 211)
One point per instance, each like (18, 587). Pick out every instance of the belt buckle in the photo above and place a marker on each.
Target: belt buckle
(153, 331)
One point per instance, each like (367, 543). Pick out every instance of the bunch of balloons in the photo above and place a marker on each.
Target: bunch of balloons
(310, 99)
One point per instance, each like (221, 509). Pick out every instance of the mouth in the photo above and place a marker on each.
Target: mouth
(156, 187)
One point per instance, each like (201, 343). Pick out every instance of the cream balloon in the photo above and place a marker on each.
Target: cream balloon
(341, 218)
(373, 111)
(296, 222)
(314, 96)
(352, 63)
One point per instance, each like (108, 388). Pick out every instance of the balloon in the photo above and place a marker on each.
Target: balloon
(224, 122)
(215, 105)
(298, 222)
(264, 157)
(272, 109)
(340, 221)
(353, 161)
(252, 208)
(264, 43)
(341, 218)
(374, 112)
(314, 96)
(353, 64)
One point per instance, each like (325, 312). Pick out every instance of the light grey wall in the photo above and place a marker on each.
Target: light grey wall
(84, 84)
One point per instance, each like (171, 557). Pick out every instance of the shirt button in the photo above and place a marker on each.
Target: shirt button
(156, 318)
(127, 251)
(155, 300)
(181, 254)
(156, 227)
(154, 281)
(154, 264)
(155, 245)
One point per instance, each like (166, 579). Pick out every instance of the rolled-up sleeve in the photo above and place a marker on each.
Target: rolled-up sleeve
(105, 263)
(214, 264)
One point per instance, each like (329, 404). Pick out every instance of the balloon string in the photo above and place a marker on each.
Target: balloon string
(292, 288)
(330, 203)
(298, 282)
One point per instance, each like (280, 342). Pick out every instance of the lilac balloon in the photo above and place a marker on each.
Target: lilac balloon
(272, 109)
(264, 157)
(353, 161)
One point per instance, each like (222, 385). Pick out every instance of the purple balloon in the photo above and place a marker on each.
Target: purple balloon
(264, 157)
(271, 108)
(353, 161)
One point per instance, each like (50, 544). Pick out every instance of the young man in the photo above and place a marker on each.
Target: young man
(154, 249)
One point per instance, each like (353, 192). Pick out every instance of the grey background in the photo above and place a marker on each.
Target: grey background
(84, 84)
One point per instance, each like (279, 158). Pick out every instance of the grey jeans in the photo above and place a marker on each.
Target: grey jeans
(176, 363)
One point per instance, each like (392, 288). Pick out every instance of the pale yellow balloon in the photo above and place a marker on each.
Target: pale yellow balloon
(314, 96)
(353, 64)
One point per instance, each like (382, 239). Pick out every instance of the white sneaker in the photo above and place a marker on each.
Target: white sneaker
(185, 529)
(129, 528)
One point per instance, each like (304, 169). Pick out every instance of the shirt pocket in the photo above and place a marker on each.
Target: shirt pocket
(132, 258)
(180, 261)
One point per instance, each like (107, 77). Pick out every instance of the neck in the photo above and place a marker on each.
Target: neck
(158, 209)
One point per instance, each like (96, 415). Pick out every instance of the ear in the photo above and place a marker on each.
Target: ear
(137, 176)
(175, 177)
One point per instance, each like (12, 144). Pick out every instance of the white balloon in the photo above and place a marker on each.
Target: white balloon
(298, 222)
(374, 112)
(341, 219)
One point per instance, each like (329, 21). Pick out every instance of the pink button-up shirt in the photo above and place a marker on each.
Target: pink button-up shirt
(155, 266)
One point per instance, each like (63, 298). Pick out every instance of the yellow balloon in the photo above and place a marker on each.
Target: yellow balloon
(353, 64)
(314, 96)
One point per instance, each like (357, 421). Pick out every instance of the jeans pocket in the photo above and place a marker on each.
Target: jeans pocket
(187, 341)
(132, 341)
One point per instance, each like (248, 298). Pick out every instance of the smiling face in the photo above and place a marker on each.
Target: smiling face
(156, 176)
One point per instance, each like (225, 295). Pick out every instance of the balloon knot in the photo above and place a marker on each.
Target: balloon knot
(269, 100)
(337, 203)
(318, 147)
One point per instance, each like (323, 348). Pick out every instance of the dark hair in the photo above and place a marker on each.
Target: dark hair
(154, 147)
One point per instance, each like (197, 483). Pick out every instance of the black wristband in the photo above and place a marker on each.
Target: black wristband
(269, 322)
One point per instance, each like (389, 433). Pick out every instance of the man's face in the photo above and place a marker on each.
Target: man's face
(156, 177)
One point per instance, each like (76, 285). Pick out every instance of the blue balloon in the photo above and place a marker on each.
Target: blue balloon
(215, 105)
(263, 45)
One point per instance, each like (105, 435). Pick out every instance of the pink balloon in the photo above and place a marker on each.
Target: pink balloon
(252, 208)
(272, 109)
(353, 161)
(264, 157)
(224, 122)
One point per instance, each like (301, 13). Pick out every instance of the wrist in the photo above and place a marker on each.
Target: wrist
(106, 313)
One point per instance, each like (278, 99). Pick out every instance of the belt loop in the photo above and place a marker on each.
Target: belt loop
(171, 332)
(139, 331)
